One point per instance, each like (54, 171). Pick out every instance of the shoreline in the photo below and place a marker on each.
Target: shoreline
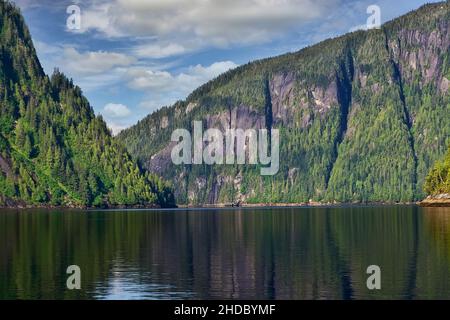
(292, 205)
(428, 202)
(439, 200)
(70, 207)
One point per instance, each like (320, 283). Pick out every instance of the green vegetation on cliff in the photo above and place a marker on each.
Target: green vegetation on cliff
(53, 149)
(362, 117)
(438, 180)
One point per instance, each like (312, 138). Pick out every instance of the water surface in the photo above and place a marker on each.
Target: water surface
(283, 253)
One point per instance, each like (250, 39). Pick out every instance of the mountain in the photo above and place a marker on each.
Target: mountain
(361, 118)
(53, 149)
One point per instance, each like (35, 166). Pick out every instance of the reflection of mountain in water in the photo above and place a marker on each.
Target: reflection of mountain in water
(307, 253)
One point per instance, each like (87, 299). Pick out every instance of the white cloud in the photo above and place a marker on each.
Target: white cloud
(91, 70)
(207, 73)
(95, 82)
(117, 116)
(141, 78)
(115, 127)
(116, 110)
(161, 88)
(156, 101)
(213, 22)
(94, 62)
(157, 51)
(45, 48)
(98, 17)
(164, 88)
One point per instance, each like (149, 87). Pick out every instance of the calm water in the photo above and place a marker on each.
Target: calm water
(295, 253)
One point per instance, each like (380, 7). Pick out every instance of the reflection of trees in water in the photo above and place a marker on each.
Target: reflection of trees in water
(382, 236)
(342, 264)
(398, 240)
(40, 246)
(436, 243)
(280, 253)
(411, 280)
(437, 224)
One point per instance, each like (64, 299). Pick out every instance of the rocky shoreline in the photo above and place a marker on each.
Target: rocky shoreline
(440, 200)
(289, 205)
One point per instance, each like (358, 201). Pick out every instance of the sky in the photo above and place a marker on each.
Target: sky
(132, 57)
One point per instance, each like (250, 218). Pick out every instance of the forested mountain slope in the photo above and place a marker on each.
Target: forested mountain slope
(362, 117)
(438, 180)
(53, 149)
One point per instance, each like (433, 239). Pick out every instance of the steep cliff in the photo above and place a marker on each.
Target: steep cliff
(361, 118)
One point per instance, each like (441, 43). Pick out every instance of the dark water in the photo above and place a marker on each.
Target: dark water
(295, 253)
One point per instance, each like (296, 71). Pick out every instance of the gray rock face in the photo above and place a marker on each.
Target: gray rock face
(327, 103)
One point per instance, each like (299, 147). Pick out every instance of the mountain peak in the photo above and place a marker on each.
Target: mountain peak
(54, 150)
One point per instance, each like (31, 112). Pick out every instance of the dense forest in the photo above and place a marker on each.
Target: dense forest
(53, 149)
(362, 118)
(438, 180)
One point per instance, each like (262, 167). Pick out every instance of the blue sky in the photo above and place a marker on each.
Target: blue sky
(131, 57)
